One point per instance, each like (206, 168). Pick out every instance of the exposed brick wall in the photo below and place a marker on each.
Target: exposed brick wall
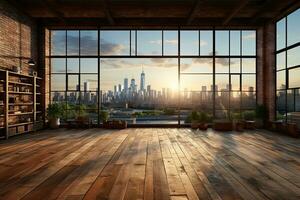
(18, 37)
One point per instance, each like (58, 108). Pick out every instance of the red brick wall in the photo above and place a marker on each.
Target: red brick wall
(18, 37)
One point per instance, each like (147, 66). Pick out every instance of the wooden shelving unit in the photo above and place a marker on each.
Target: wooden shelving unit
(20, 104)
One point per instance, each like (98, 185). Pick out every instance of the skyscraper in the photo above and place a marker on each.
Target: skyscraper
(87, 95)
(142, 83)
(132, 85)
(119, 88)
(126, 85)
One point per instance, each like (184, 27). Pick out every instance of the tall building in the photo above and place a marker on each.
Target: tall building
(119, 88)
(87, 95)
(132, 85)
(126, 85)
(142, 83)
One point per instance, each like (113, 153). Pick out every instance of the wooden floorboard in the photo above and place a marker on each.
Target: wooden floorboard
(150, 164)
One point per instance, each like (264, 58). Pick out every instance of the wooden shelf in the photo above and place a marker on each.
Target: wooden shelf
(25, 93)
(20, 124)
(20, 83)
(20, 104)
(12, 79)
(24, 113)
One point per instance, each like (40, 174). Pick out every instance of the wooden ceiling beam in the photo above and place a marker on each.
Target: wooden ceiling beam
(194, 10)
(235, 11)
(107, 12)
(51, 5)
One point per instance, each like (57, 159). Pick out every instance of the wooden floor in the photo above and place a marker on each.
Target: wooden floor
(149, 163)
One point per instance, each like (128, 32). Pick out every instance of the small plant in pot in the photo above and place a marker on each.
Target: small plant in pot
(203, 120)
(54, 112)
(104, 116)
(261, 114)
(194, 118)
(238, 124)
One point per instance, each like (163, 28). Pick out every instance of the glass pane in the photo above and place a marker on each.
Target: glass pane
(248, 100)
(196, 82)
(89, 65)
(294, 78)
(133, 40)
(249, 43)
(206, 43)
(280, 26)
(248, 65)
(248, 82)
(222, 82)
(280, 77)
(222, 100)
(58, 82)
(201, 100)
(72, 43)
(297, 100)
(58, 43)
(235, 100)
(235, 65)
(293, 28)
(93, 115)
(72, 99)
(280, 60)
(58, 97)
(73, 82)
(89, 82)
(189, 42)
(196, 65)
(235, 82)
(114, 42)
(290, 101)
(235, 43)
(222, 114)
(222, 42)
(58, 65)
(170, 42)
(89, 100)
(281, 98)
(293, 58)
(89, 43)
(73, 65)
(222, 65)
(149, 42)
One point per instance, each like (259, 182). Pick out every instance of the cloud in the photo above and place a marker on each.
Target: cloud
(156, 42)
(203, 43)
(249, 36)
(171, 42)
(107, 48)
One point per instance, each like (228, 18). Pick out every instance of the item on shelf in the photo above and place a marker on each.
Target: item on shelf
(17, 69)
(34, 73)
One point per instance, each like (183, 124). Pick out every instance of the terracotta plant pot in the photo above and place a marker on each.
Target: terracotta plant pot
(239, 126)
(54, 123)
(223, 126)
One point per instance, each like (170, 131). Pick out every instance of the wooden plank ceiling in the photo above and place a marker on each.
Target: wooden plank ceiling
(156, 12)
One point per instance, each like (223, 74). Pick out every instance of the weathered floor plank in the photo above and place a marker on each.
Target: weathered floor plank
(149, 163)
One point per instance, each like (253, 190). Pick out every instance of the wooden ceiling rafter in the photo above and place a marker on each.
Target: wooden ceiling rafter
(235, 11)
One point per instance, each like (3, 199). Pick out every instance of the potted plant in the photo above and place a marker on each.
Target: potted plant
(54, 112)
(223, 124)
(261, 114)
(248, 118)
(203, 120)
(194, 118)
(104, 116)
(238, 124)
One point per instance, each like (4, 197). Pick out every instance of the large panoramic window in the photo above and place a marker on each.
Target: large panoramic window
(288, 67)
(153, 76)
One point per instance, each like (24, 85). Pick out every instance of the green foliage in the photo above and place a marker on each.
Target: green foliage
(54, 110)
(199, 117)
(249, 115)
(261, 112)
(236, 116)
(169, 111)
(104, 116)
